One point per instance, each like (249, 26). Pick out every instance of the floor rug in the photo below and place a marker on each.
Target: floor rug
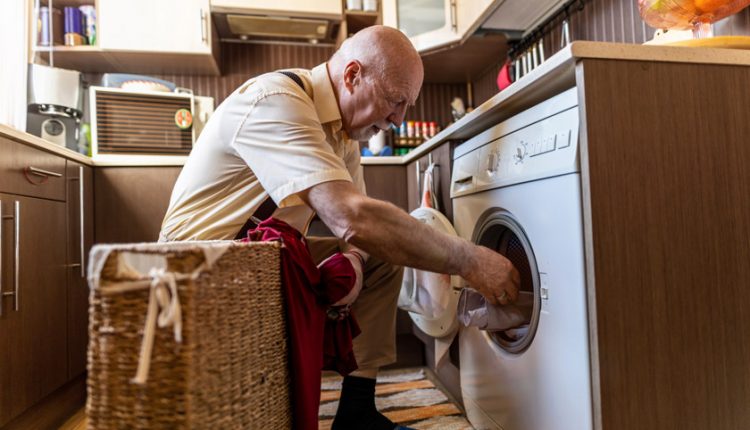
(407, 397)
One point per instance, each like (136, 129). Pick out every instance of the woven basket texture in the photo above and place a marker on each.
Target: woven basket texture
(229, 371)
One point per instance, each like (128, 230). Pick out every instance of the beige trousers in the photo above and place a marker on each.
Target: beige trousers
(375, 308)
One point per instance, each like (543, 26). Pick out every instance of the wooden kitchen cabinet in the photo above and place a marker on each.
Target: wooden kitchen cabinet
(131, 38)
(80, 238)
(138, 25)
(33, 354)
(386, 182)
(442, 157)
(130, 202)
(436, 23)
(43, 335)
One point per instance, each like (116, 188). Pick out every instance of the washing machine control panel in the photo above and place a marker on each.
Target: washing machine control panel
(540, 150)
(537, 143)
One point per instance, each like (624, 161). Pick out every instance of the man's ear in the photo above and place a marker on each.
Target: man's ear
(352, 75)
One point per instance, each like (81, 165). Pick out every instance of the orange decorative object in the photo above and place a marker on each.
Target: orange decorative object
(687, 14)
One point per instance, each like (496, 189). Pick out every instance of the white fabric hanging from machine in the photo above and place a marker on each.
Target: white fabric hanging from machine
(425, 293)
(431, 298)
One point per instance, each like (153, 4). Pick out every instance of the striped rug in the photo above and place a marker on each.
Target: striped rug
(407, 397)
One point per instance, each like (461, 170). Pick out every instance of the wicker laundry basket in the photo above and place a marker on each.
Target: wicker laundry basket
(225, 368)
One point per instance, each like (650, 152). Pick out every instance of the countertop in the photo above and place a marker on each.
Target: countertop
(551, 77)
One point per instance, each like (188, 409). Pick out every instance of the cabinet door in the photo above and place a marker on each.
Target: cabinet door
(432, 24)
(428, 23)
(441, 156)
(80, 237)
(33, 355)
(120, 211)
(155, 26)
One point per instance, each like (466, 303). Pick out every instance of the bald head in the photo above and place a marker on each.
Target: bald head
(382, 61)
(385, 53)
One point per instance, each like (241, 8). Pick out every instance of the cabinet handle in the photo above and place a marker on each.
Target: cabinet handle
(17, 252)
(204, 30)
(41, 172)
(17, 249)
(81, 208)
(454, 18)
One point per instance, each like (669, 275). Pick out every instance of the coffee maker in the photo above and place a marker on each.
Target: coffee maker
(55, 105)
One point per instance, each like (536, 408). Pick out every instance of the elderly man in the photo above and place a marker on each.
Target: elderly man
(292, 135)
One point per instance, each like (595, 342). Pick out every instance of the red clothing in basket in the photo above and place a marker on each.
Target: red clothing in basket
(315, 342)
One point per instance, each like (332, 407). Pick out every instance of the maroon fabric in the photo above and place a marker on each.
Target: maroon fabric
(307, 295)
(338, 276)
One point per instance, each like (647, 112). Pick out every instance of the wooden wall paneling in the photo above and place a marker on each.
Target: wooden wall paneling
(240, 62)
(130, 202)
(669, 221)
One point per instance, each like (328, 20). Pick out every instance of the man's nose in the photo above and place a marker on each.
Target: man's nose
(398, 116)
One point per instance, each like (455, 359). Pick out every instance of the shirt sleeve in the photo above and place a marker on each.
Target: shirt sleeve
(282, 141)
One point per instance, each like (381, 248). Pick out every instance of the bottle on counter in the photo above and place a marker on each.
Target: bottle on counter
(433, 129)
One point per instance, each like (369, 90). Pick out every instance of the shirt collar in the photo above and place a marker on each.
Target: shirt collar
(324, 98)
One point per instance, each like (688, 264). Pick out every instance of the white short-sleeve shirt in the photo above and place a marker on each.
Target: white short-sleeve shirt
(268, 138)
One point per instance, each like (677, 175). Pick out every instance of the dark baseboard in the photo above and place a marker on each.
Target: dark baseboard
(54, 409)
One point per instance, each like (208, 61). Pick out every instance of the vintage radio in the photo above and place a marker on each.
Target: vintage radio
(127, 123)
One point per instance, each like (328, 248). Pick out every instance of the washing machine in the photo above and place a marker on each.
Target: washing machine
(516, 188)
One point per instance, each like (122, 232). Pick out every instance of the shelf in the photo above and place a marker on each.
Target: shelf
(357, 20)
(88, 58)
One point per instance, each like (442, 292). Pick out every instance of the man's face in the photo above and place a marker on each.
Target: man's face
(371, 106)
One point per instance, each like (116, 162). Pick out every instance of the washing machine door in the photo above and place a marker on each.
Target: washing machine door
(431, 298)
(498, 230)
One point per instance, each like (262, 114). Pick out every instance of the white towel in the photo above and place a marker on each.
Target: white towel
(474, 310)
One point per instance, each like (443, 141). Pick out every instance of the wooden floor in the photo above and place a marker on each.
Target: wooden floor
(76, 422)
(406, 396)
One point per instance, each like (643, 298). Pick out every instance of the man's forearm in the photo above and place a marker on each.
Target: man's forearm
(389, 233)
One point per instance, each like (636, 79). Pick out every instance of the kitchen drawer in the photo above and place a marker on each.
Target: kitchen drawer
(28, 171)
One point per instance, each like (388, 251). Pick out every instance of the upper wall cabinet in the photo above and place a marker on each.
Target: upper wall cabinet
(521, 15)
(135, 36)
(167, 26)
(279, 21)
(434, 24)
(315, 8)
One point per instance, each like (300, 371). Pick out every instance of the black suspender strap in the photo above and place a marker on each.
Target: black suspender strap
(294, 77)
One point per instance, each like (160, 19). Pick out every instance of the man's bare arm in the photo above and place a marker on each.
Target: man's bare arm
(387, 232)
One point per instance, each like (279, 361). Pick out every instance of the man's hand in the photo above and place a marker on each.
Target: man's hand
(493, 276)
(356, 260)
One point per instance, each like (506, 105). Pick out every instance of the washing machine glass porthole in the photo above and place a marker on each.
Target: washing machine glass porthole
(499, 231)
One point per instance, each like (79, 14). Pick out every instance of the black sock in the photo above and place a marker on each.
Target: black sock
(357, 407)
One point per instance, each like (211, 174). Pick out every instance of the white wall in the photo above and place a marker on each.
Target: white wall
(14, 23)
